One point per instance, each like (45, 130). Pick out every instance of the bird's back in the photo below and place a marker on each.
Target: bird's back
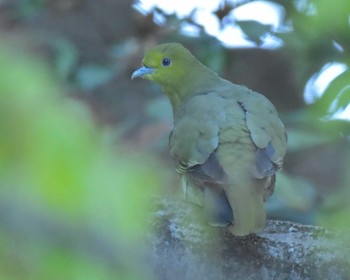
(220, 138)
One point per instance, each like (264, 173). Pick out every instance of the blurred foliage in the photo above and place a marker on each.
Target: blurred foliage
(66, 58)
(72, 204)
(30, 8)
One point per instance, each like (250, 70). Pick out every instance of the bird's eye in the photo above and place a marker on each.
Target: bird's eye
(166, 61)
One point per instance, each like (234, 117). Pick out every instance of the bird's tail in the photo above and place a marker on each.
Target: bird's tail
(248, 208)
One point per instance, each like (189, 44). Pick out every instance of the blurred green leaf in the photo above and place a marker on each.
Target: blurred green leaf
(56, 165)
(29, 8)
(254, 30)
(66, 57)
(336, 97)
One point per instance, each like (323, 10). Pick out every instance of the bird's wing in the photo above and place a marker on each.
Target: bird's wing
(267, 132)
(193, 142)
(195, 134)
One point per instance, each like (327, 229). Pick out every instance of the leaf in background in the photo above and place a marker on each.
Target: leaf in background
(47, 142)
(254, 30)
(30, 8)
(336, 98)
(66, 192)
(66, 57)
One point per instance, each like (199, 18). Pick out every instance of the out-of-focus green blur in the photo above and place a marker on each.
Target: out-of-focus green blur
(71, 204)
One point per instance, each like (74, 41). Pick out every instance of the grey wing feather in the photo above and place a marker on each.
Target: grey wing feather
(193, 142)
(196, 132)
(210, 178)
(267, 132)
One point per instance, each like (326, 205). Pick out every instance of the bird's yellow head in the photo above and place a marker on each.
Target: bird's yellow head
(179, 73)
(166, 64)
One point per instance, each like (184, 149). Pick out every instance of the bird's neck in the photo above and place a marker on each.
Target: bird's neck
(191, 85)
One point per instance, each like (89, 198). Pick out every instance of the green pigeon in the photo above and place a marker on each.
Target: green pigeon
(227, 140)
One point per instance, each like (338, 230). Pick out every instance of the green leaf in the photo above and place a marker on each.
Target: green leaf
(254, 30)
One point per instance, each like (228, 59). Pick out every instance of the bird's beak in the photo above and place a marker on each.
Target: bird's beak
(141, 72)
